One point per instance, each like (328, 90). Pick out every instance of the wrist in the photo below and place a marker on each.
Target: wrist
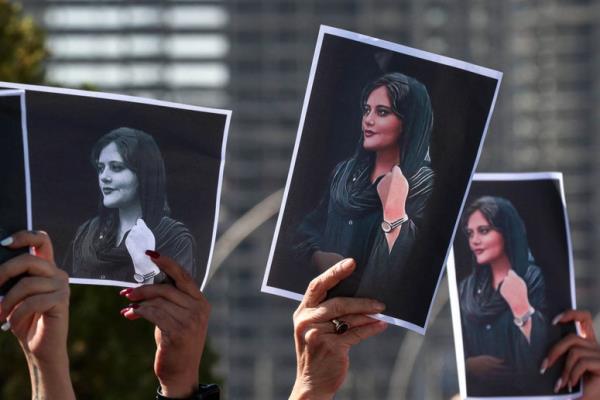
(302, 392)
(520, 310)
(179, 390)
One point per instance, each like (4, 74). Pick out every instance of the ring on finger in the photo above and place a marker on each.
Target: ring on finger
(340, 326)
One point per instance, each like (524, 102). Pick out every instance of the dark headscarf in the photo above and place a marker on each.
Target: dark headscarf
(142, 156)
(352, 191)
(482, 301)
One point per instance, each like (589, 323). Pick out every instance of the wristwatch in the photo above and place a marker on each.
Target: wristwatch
(387, 227)
(204, 392)
(522, 320)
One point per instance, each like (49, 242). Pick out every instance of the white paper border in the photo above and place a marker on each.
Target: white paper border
(23, 88)
(453, 285)
(21, 94)
(398, 48)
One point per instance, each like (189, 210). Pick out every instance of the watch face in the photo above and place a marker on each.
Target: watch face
(386, 227)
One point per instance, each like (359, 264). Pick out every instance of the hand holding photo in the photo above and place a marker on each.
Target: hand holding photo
(375, 176)
(509, 276)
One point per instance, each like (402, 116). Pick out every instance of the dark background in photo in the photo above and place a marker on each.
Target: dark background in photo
(13, 199)
(460, 101)
(65, 192)
(539, 205)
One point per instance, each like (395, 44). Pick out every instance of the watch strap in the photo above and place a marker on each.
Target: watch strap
(204, 392)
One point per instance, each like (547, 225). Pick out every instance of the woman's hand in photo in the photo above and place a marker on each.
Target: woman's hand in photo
(36, 311)
(323, 260)
(393, 190)
(324, 332)
(140, 239)
(180, 313)
(582, 355)
(514, 290)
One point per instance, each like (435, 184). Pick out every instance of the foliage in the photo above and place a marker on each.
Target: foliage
(22, 47)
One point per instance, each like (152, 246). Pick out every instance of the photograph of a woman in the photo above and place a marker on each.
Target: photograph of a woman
(133, 214)
(502, 301)
(375, 202)
(510, 278)
(387, 142)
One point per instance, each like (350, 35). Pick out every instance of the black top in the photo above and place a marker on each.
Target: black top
(87, 258)
(495, 334)
(356, 232)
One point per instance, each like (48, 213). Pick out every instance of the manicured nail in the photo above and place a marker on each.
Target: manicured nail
(152, 253)
(544, 366)
(557, 385)
(124, 310)
(5, 326)
(7, 241)
(557, 319)
(378, 306)
(125, 292)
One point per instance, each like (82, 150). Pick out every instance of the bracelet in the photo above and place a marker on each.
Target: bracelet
(204, 392)
(522, 320)
(387, 227)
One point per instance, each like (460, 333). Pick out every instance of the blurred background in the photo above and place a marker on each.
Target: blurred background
(254, 56)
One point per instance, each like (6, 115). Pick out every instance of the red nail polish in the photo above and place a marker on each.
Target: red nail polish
(152, 253)
(124, 310)
(125, 292)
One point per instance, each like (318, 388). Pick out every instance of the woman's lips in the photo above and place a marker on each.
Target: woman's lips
(368, 132)
(107, 190)
(478, 251)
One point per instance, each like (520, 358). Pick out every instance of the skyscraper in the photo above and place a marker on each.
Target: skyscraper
(253, 56)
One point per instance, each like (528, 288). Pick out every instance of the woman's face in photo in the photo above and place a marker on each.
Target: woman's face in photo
(381, 127)
(118, 184)
(486, 243)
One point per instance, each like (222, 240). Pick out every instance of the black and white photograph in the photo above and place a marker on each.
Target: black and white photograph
(15, 211)
(510, 277)
(113, 176)
(388, 140)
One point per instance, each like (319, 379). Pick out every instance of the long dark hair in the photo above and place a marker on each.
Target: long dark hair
(504, 218)
(142, 156)
(410, 102)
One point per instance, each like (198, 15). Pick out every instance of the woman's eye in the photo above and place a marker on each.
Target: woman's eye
(484, 231)
(117, 167)
(99, 168)
(382, 113)
(366, 110)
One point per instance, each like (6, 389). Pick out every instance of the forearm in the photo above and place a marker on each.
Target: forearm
(50, 379)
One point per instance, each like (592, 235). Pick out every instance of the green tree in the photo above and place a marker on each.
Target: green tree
(111, 357)
(22, 47)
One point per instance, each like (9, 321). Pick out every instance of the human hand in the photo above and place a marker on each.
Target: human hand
(180, 313)
(321, 353)
(323, 260)
(514, 290)
(393, 190)
(583, 355)
(140, 239)
(36, 309)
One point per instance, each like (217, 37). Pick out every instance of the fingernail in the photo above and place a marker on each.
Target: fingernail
(124, 310)
(378, 306)
(544, 366)
(557, 319)
(152, 253)
(5, 326)
(557, 385)
(125, 292)
(7, 241)
(570, 387)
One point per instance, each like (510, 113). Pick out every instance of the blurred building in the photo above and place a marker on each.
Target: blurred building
(253, 56)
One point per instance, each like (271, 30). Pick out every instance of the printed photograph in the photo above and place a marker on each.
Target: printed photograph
(14, 202)
(113, 176)
(511, 275)
(388, 140)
